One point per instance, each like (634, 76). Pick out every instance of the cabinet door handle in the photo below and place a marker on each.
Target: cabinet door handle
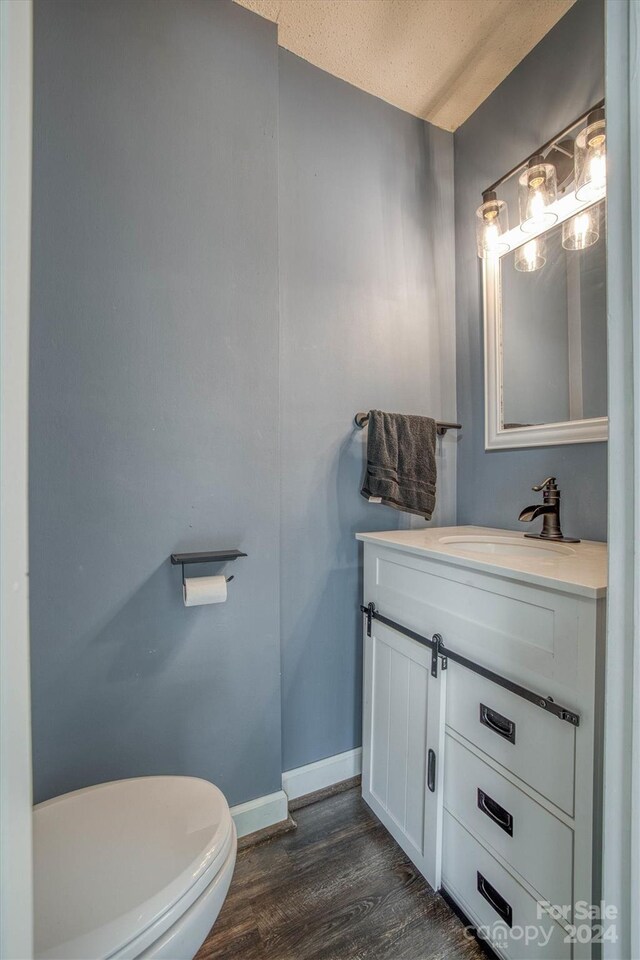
(495, 721)
(494, 899)
(431, 770)
(495, 812)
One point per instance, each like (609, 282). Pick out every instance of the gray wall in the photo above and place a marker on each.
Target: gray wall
(366, 313)
(161, 381)
(154, 392)
(559, 79)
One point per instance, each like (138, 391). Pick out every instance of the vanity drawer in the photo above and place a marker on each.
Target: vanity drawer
(494, 900)
(536, 844)
(537, 747)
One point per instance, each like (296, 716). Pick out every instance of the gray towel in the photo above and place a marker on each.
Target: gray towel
(401, 462)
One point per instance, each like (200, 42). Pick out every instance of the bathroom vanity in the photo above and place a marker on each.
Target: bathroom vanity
(482, 751)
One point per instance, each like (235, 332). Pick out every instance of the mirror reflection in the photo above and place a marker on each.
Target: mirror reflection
(553, 321)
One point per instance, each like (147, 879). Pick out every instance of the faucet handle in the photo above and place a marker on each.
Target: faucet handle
(548, 484)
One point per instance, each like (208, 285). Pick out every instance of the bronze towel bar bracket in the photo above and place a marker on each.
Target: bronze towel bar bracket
(361, 420)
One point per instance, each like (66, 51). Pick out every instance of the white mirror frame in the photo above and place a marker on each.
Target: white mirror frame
(543, 434)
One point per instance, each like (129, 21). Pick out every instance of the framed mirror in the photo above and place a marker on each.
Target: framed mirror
(545, 328)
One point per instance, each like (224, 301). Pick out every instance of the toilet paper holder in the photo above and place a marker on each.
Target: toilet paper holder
(215, 556)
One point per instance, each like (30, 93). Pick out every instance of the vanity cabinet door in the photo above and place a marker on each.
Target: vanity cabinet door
(403, 745)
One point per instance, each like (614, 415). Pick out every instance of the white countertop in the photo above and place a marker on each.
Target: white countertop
(581, 568)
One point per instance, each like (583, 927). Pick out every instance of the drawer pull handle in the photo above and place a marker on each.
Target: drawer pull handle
(431, 770)
(504, 727)
(493, 898)
(495, 812)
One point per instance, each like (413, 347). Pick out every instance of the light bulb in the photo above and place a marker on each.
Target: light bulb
(536, 206)
(583, 230)
(598, 171)
(580, 228)
(590, 170)
(537, 190)
(491, 238)
(492, 222)
(531, 256)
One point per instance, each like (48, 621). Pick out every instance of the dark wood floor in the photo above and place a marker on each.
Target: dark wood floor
(337, 888)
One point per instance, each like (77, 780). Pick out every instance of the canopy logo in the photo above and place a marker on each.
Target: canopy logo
(581, 922)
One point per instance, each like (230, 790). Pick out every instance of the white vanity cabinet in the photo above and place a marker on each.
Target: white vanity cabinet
(491, 795)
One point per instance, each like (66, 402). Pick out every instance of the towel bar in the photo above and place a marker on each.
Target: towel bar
(361, 420)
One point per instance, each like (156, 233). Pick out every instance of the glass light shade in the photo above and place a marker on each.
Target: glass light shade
(492, 221)
(591, 158)
(531, 256)
(583, 230)
(537, 190)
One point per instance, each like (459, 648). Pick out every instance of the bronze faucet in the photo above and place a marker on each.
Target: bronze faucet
(550, 510)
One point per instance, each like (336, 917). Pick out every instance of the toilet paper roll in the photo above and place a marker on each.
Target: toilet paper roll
(201, 590)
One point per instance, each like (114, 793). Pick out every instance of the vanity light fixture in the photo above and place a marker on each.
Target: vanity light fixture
(583, 230)
(537, 190)
(579, 165)
(591, 157)
(531, 256)
(492, 221)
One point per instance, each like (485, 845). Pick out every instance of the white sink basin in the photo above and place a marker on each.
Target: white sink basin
(510, 547)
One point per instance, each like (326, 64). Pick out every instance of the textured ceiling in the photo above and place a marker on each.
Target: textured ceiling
(436, 59)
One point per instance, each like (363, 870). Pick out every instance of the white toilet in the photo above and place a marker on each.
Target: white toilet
(133, 868)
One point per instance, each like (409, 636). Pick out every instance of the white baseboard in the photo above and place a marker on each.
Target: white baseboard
(260, 813)
(323, 773)
(273, 808)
